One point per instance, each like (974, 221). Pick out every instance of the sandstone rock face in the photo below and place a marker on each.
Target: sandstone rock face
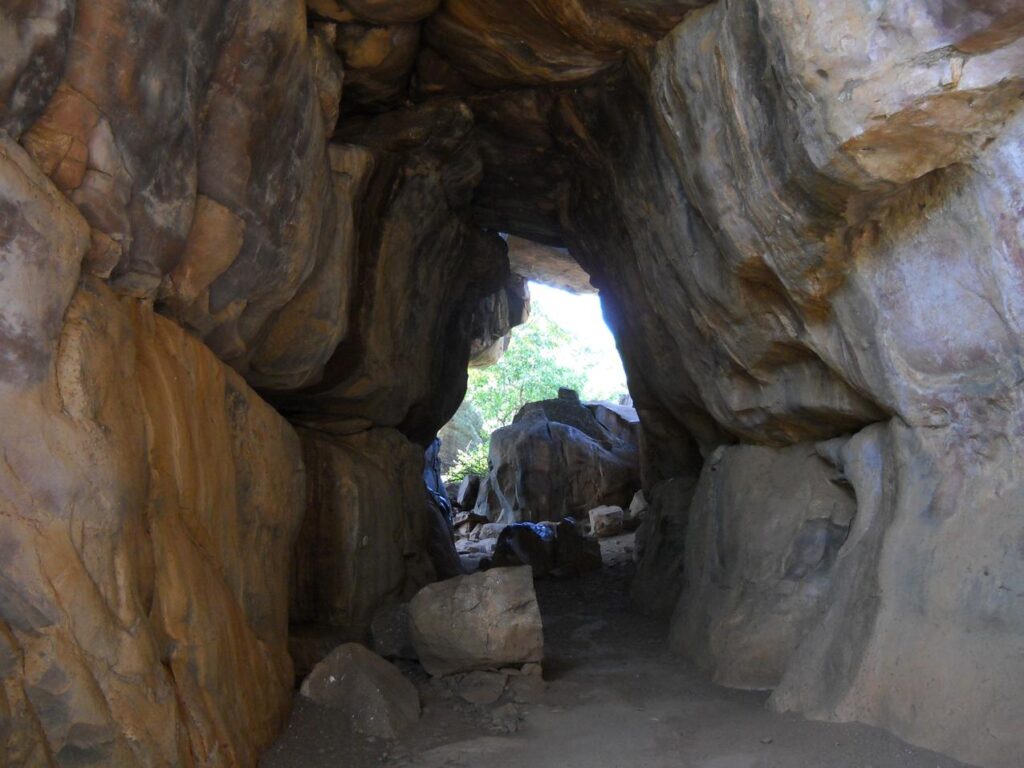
(929, 580)
(528, 43)
(423, 271)
(372, 695)
(150, 503)
(556, 460)
(765, 529)
(661, 548)
(482, 621)
(886, 288)
(804, 221)
(546, 264)
(363, 540)
(495, 317)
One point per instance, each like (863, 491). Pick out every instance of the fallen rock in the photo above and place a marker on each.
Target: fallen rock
(506, 719)
(481, 621)
(550, 549)
(374, 697)
(492, 530)
(620, 420)
(526, 684)
(480, 686)
(390, 632)
(574, 552)
(468, 490)
(440, 541)
(531, 544)
(636, 512)
(553, 461)
(606, 521)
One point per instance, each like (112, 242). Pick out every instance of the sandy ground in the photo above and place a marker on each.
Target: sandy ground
(614, 699)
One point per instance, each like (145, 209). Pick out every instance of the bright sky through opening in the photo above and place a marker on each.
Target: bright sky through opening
(580, 315)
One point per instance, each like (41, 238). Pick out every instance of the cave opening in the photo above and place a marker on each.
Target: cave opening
(546, 432)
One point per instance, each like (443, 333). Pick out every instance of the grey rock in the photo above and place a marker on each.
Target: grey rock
(482, 621)
(765, 529)
(556, 460)
(371, 694)
(606, 521)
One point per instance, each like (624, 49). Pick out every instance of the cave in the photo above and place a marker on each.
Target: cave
(249, 249)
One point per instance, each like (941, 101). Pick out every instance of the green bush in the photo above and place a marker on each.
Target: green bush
(470, 462)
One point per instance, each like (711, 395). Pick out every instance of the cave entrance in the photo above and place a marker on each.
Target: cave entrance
(546, 434)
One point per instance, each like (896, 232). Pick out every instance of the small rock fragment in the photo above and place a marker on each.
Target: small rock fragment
(480, 686)
(606, 521)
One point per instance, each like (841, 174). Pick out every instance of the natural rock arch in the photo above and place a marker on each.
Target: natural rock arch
(805, 223)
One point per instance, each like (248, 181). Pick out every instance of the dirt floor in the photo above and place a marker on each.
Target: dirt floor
(615, 698)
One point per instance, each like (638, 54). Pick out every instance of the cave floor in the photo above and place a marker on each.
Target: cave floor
(615, 698)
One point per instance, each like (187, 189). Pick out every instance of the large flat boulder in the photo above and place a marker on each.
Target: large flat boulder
(371, 694)
(485, 620)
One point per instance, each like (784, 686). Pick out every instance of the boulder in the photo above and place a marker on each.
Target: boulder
(441, 540)
(550, 549)
(481, 621)
(531, 544)
(468, 490)
(526, 684)
(575, 553)
(606, 521)
(372, 696)
(556, 460)
(765, 529)
(636, 511)
(390, 632)
(620, 420)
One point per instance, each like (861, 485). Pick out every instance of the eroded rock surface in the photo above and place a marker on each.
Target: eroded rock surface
(364, 538)
(150, 502)
(804, 221)
(556, 460)
(765, 528)
(482, 621)
(371, 694)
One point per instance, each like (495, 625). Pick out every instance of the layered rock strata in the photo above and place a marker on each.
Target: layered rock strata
(150, 500)
(805, 224)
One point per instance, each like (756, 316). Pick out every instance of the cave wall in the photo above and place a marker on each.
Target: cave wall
(185, 239)
(804, 221)
(809, 231)
(137, 470)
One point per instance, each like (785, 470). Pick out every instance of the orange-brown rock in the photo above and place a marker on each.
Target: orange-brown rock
(363, 542)
(531, 43)
(149, 498)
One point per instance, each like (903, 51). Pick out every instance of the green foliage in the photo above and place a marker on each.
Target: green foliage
(469, 462)
(540, 358)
